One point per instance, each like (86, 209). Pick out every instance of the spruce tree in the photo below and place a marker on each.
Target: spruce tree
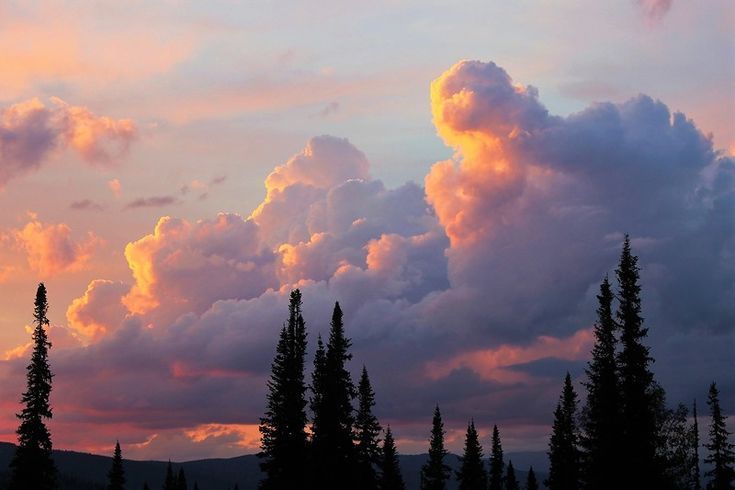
(32, 466)
(391, 477)
(601, 437)
(283, 427)
(116, 475)
(639, 400)
(170, 482)
(181, 480)
(472, 474)
(721, 456)
(434, 473)
(531, 482)
(563, 446)
(511, 482)
(196, 486)
(367, 435)
(496, 461)
(333, 450)
(145, 486)
(696, 476)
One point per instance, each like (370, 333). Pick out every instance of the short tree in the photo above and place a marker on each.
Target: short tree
(435, 472)
(116, 475)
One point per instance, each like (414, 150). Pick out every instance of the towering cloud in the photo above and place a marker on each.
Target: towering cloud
(30, 131)
(467, 292)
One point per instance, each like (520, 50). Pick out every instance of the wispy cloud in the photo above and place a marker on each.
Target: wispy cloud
(151, 202)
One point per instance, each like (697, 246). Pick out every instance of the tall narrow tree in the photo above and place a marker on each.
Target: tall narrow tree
(169, 483)
(696, 474)
(531, 482)
(391, 477)
(496, 461)
(283, 427)
(563, 446)
(721, 457)
(472, 474)
(638, 389)
(367, 435)
(32, 465)
(181, 480)
(435, 473)
(333, 450)
(601, 437)
(116, 475)
(511, 481)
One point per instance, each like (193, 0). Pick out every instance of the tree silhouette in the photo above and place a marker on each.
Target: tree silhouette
(170, 482)
(472, 474)
(496, 461)
(639, 407)
(434, 473)
(696, 475)
(367, 435)
(333, 451)
(181, 480)
(511, 482)
(601, 437)
(284, 440)
(116, 475)
(145, 486)
(390, 468)
(563, 450)
(531, 482)
(721, 456)
(32, 466)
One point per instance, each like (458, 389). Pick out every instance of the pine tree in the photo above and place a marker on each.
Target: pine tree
(283, 427)
(601, 437)
(333, 451)
(434, 473)
(639, 407)
(472, 474)
(721, 456)
(181, 480)
(32, 465)
(367, 432)
(116, 475)
(170, 482)
(511, 482)
(563, 449)
(531, 482)
(496, 461)
(390, 468)
(145, 486)
(196, 486)
(696, 476)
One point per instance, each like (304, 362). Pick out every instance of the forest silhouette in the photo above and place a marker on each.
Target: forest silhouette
(321, 432)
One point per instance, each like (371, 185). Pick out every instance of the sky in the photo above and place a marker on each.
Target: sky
(459, 175)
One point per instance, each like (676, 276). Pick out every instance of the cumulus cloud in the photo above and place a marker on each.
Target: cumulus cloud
(50, 248)
(461, 292)
(31, 131)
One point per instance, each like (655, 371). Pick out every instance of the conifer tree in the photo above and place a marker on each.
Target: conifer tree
(283, 427)
(511, 481)
(181, 480)
(32, 465)
(472, 474)
(333, 450)
(696, 476)
(639, 400)
(434, 473)
(601, 437)
(145, 486)
(196, 486)
(496, 461)
(721, 456)
(563, 449)
(391, 477)
(170, 482)
(116, 475)
(531, 482)
(367, 435)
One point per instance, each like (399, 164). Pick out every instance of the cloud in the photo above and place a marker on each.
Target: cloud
(86, 205)
(462, 292)
(655, 10)
(31, 131)
(151, 202)
(50, 248)
(115, 187)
